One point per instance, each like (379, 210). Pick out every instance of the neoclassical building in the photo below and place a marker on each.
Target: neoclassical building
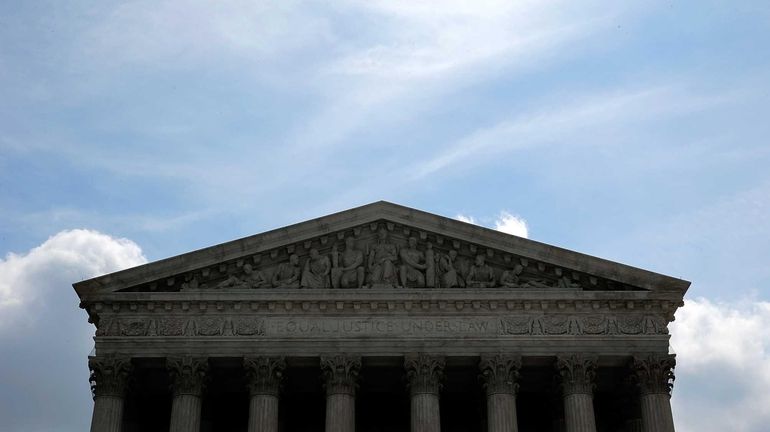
(382, 318)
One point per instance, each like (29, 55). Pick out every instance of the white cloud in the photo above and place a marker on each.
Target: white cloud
(67, 257)
(505, 222)
(466, 219)
(45, 337)
(723, 366)
(511, 224)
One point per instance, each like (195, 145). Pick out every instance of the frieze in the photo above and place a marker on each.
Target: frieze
(582, 325)
(516, 325)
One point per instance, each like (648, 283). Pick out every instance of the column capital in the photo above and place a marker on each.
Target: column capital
(188, 374)
(500, 373)
(340, 373)
(264, 374)
(109, 375)
(424, 373)
(654, 373)
(577, 373)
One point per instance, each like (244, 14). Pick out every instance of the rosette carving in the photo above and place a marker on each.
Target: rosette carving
(424, 373)
(500, 373)
(654, 374)
(340, 373)
(109, 375)
(188, 374)
(577, 374)
(264, 374)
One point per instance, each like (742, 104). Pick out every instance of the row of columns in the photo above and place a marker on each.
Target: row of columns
(653, 375)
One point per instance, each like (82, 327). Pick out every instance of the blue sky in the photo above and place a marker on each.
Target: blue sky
(637, 131)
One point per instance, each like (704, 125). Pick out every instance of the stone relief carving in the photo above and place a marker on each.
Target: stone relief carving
(250, 279)
(316, 272)
(525, 324)
(413, 265)
(381, 257)
(582, 324)
(481, 275)
(198, 326)
(382, 261)
(449, 273)
(348, 266)
(288, 273)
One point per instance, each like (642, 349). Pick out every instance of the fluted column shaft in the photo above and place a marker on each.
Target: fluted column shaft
(655, 375)
(188, 377)
(264, 375)
(186, 413)
(499, 374)
(425, 375)
(577, 383)
(340, 379)
(109, 380)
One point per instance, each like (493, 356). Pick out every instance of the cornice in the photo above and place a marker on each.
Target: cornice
(299, 235)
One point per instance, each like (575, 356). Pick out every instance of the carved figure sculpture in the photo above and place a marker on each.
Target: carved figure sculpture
(250, 279)
(513, 279)
(316, 271)
(450, 276)
(510, 278)
(382, 259)
(288, 273)
(412, 265)
(348, 270)
(481, 275)
(430, 266)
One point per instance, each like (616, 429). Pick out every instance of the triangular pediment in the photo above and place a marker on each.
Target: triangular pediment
(381, 245)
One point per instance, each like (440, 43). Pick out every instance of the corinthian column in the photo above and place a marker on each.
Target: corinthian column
(425, 374)
(577, 384)
(264, 376)
(341, 379)
(499, 374)
(655, 377)
(109, 380)
(188, 377)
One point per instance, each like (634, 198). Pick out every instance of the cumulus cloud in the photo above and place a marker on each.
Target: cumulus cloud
(67, 257)
(511, 224)
(723, 366)
(44, 335)
(505, 222)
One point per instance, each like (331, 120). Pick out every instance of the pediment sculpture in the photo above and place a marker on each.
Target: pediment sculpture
(380, 256)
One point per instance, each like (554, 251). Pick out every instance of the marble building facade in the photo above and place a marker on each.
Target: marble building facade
(382, 318)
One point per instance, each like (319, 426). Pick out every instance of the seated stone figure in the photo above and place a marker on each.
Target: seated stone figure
(481, 275)
(347, 270)
(287, 274)
(413, 265)
(250, 279)
(382, 259)
(316, 272)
